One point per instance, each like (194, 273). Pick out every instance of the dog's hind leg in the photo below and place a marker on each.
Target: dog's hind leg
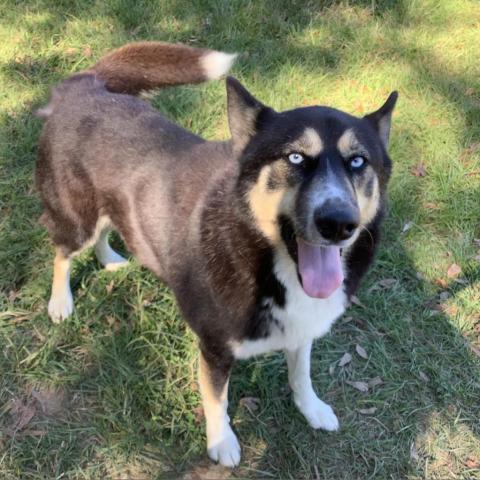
(108, 257)
(60, 305)
(222, 444)
(318, 413)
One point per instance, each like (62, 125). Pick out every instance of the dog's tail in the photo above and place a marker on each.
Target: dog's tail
(141, 66)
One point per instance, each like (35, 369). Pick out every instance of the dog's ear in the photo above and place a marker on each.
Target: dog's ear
(244, 113)
(382, 118)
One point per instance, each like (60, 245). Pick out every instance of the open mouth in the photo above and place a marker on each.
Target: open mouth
(320, 269)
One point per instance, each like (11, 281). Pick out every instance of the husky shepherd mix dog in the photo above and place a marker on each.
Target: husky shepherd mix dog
(262, 238)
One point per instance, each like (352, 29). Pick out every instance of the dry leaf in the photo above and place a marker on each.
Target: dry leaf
(423, 376)
(407, 227)
(109, 287)
(367, 411)
(354, 299)
(431, 205)
(345, 360)
(476, 241)
(21, 415)
(362, 352)
(441, 282)
(387, 282)
(199, 415)
(470, 91)
(347, 319)
(250, 403)
(418, 170)
(362, 386)
(414, 452)
(472, 462)
(454, 271)
(375, 381)
(420, 276)
(331, 369)
(87, 52)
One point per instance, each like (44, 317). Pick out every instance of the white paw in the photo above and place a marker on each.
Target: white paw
(225, 450)
(60, 306)
(318, 414)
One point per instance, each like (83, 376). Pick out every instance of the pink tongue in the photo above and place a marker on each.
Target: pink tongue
(320, 269)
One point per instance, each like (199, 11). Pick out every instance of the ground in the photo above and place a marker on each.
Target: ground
(111, 393)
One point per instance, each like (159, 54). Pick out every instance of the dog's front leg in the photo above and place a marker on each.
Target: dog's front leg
(318, 413)
(222, 444)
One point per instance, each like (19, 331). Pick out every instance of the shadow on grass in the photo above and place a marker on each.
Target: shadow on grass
(425, 363)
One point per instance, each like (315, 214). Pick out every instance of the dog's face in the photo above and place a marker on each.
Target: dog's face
(312, 178)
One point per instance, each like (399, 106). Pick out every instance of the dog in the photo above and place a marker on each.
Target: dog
(262, 238)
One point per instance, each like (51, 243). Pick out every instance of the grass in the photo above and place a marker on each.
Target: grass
(111, 393)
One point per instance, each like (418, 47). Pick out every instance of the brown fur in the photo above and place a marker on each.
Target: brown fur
(149, 65)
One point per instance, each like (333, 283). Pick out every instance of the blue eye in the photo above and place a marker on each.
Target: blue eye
(357, 162)
(295, 158)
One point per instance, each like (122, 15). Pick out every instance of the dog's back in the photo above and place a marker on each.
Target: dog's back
(105, 154)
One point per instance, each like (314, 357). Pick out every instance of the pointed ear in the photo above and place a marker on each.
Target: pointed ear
(244, 111)
(382, 118)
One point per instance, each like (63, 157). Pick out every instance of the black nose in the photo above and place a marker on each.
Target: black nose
(336, 224)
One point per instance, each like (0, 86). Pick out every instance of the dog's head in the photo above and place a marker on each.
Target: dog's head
(312, 178)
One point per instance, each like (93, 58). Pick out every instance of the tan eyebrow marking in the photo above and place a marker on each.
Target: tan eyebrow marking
(349, 144)
(308, 143)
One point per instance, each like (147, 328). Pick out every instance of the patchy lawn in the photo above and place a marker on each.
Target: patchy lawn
(111, 393)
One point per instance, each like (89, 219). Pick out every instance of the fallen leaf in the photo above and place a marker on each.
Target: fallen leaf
(431, 205)
(420, 276)
(472, 462)
(454, 271)
(476, 241)
(361, 352)
(199, 415)
(22, 414)
(387, 282)
(475, 350)
(407, 227)
(347, 319)
(361, 386)
(375, 381)
(70, 52)
(354, 299)
(109, 287)
(477, 258)
(367, 411)
(418, 170)
(470, 91)
(250, 403)
(414, 452)
(331, 369)
(52, 401)
(87, 52)
(345, 360)
(441, 282)
(423, 376)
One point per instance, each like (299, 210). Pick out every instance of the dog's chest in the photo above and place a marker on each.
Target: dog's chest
(301, 320)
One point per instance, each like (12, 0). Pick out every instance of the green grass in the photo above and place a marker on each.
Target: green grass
(111, 393)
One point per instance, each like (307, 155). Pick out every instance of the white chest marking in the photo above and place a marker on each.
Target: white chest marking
(303, 319)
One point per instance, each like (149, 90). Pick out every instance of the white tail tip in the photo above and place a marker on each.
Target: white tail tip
(216, 64)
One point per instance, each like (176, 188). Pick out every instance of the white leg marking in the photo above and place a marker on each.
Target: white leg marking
(318, 413)
(108, 257)
(222, 443)
(60, 305)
